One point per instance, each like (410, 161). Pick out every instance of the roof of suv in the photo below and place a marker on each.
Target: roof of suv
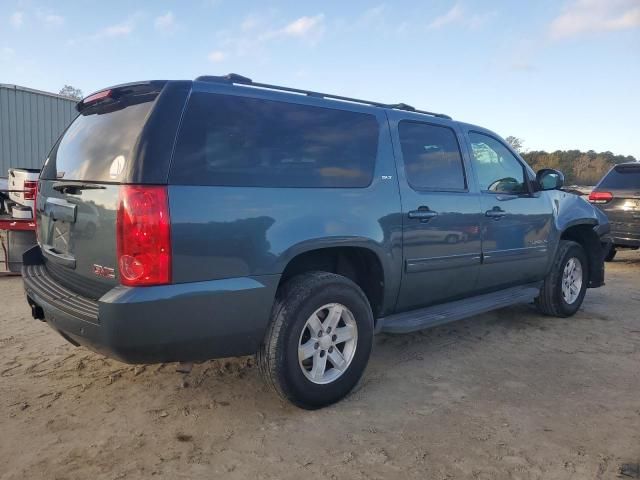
(238, 81)
(235, 79)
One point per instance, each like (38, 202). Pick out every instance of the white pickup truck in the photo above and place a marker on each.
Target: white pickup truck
(23, 184)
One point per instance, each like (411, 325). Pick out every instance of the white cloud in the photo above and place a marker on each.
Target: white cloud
(460, 16)
(305, 27)
(117, 30)
(256, 32)
(250, 22)
(166, 22)
(453, 15)
(589, 16)
(375, 18)
(308, 29)
(122, 29)
(16, 19)
(373, 14)
(217, 56)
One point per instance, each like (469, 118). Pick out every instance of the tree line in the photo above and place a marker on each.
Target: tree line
(579, 168)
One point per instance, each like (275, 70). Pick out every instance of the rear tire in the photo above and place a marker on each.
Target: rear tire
(564, 287)
(611, 254)
(313, 312)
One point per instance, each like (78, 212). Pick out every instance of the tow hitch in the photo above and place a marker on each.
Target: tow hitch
(36, 310)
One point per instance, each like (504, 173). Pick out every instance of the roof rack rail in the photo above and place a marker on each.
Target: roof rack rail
(234, 78)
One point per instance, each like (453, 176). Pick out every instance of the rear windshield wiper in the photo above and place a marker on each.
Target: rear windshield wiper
(76, 187)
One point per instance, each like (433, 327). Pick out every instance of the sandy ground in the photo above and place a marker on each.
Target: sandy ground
(509, 394)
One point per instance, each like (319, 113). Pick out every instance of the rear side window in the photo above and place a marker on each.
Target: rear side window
(236, 141)
(432, 158)
(622, 177)
(98, 145)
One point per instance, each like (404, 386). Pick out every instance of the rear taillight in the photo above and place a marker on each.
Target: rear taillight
(35, 208)
(30, 188)
(600, 197)
(143, 235)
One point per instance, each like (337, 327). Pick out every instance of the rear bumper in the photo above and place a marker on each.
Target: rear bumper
(626, 242)
(625, 227)
(180, 322)
(625, 237)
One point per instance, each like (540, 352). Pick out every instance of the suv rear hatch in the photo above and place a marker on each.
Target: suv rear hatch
(618, 196)
(79, 187)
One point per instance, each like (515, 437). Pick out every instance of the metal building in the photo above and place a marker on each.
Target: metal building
(30, 122)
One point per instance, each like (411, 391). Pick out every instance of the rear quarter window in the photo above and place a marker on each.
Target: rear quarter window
(236, 141)
(622, 177)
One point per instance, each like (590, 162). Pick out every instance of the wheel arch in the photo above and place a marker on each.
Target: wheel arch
(360, 261)
(583, 233)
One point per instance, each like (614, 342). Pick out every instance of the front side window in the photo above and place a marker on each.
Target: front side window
(238, 141)
(498, 170)
(432, 158)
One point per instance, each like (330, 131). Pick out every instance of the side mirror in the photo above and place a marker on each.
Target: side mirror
(550, 179)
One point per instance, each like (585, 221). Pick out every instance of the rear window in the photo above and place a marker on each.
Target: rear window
(622, 177)
(98, 145)
(237, 141)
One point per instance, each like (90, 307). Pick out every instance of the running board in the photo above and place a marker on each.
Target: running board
(428, 317)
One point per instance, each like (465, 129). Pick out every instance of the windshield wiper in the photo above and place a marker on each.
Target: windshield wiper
(76, 187)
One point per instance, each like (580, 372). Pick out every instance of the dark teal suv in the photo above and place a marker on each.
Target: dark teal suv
(189, 220)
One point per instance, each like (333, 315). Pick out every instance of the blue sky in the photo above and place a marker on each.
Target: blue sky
(557, 73)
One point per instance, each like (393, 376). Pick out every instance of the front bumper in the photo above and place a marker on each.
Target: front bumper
(179, 322)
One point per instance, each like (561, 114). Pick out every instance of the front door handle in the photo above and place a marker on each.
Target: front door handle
(496, 213)
(423, 214)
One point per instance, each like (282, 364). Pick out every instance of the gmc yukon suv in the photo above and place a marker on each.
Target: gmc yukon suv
(189, 220)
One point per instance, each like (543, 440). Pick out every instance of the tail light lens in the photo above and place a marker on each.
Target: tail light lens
(35, 208)
(143, 235)
(30, 188)
(600, 197)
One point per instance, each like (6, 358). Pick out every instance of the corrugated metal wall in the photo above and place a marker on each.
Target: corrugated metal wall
(30, 122)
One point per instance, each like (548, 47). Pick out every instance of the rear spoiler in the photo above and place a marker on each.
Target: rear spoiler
(111, 96)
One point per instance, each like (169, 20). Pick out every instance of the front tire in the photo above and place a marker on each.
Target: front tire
(611, 254)
(565, 286)
(319, 341)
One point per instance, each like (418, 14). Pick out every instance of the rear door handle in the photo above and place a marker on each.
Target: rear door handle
(423, 214)
(496, 213)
